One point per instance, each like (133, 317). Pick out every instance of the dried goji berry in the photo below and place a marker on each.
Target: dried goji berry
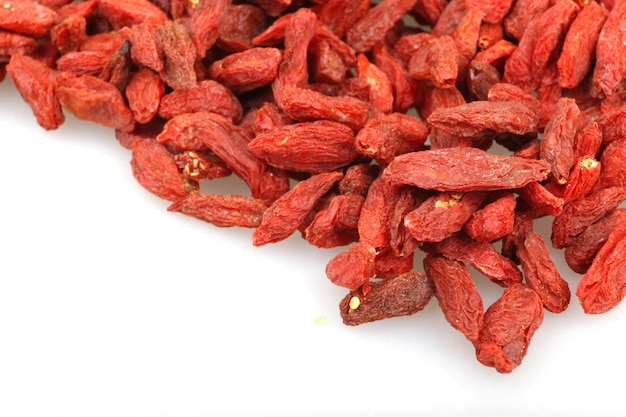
(325, 64)
(580, 214)
(92, 99)
(265, 118)
(174, 41)
(553, 25)
(582, 178)
(604, 284)
(428, 11)
(609, 68)
(517, 69)
(358, 179)
(247, 70)
(406, 91)
(457, 295)
(353, 267)
(493, 10)
(143, 46)
(612, 124)
(27, 17)
(463, 169)
(388, 264)
(401, 241)
(380, 92)
(78, 9)
(530, 150)
(374, 228)
(13, 43)
(36, 84)
(298, 32)
(494, 220)
(117, 69)
(435, 98)
(436, 61)
(373, 26)
(146, 131)
(442, 215)
(580, 254)
(193, 131)
(405, 46)
(508, 326)
(557, 145)
(482, 256)
(347, 54)
(523, 226)
(155, 169)
(241, 23)
(221, 210)
(337, 224)
(466, 39)
(516, 22)
(613, 171)
(542, 200)
(313, 147)
(206, 20)
(497, 54)
(285, 215)
(130, 12)
(144, 92)
(69, 33)
(450, 18)
(307, 105)
(340, 15)
(511, 92)
(588, 141)
(541, 274)
(106, 43)
(205, 96)
(384, 137)
(275, 33)
(402, 295)
(82, 62)
(475, 118)
(579, 46)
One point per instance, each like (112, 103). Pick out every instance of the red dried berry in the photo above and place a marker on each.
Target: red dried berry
(312, 147)
(36, 84)
(463, 169)
(221, 210)
(155, 169)
(27, 17)
(604, 284)
(92, 99)
(457, 295)
(353, 267)
(286, 214)
(508, 326)
(401, 295)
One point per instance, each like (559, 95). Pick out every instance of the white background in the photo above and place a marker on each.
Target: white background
(111, 306)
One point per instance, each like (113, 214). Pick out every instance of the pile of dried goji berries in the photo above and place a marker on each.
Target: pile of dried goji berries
(367, 126)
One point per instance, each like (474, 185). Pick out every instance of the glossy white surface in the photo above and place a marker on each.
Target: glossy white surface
(111, 306)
